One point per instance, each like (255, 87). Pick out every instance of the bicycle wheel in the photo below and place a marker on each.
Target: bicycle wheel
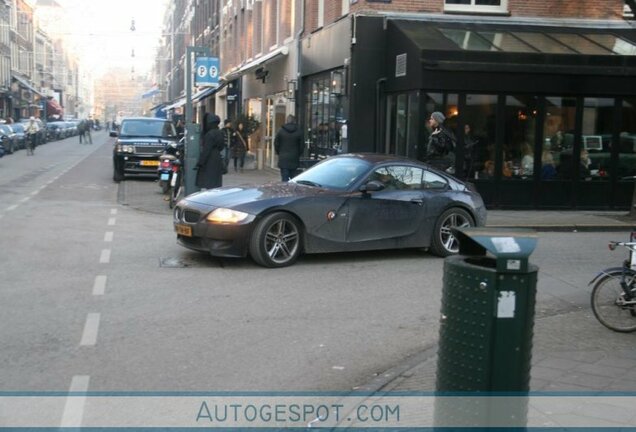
(608, 302)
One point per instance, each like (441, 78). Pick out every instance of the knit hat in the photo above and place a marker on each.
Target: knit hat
(438, 117)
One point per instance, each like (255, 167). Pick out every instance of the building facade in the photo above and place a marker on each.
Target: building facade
(539, 95)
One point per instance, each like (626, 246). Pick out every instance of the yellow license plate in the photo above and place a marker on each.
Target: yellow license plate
(183, 230)
(149, 163)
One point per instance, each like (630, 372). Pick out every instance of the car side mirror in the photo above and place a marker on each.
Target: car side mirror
(372, 186)
(113, 133)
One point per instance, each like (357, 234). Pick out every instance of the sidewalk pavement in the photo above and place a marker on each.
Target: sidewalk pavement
(572, 351)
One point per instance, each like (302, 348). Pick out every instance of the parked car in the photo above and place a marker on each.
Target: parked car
(348, 202)
(55, 130)
(8, 139)
(140, 142)
(20, 134)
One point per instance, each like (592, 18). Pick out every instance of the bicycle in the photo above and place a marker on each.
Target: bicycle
(30, 143)
(613, 297)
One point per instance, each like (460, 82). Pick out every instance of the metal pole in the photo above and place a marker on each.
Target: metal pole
(192, 130)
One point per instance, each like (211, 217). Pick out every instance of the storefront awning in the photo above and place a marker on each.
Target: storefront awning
(273, 55)
(176, 104)
(53, 108)
(461, 46)
(24, 83)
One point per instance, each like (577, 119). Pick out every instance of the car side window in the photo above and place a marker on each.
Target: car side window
(399, 177)
(433, 181)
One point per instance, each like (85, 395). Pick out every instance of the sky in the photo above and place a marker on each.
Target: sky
(101, 32)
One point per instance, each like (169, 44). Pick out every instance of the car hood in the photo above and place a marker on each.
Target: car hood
(145, 141)
(251, 197)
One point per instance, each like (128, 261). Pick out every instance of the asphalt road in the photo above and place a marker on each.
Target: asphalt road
(88, 290)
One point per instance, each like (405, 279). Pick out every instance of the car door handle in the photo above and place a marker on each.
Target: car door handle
(417, 201)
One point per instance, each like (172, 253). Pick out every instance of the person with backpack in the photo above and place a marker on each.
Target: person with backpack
(440, 151)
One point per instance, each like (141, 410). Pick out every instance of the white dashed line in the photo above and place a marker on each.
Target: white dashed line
(100, 285)
(104, 258)
(35, 192)
(25, 199)
(111, 221)
(13, 207)
(89, 336)
(113, 211)
(338, 367)
(108, 236)
(74, 407)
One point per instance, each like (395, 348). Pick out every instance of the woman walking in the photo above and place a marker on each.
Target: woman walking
(239, 147)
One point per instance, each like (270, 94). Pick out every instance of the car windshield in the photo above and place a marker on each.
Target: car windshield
(18, 128)
(152, 128)
(5, 129)
(335, 173)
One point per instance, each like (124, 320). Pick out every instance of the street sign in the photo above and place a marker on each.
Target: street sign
(206, 72)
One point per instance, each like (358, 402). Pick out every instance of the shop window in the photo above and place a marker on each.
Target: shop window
(479, 118)
(480, 6)
(596, 139)
(518, 149)
(627, 141)
(557, 162)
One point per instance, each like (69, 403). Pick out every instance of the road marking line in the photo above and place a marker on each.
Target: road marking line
(111, 221)
(104, 258)
(13, 207)
(74, 406)
(89, 336)
(338, 367)
(100, 285)
(108, 236)
(113, 211)
(35, 192)
(25, 199)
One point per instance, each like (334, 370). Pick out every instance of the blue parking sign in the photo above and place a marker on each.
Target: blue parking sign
(206, 72)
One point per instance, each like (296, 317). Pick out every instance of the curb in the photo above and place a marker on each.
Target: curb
(570, 228)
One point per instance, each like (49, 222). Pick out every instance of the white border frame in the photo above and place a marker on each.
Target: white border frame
(472, 7)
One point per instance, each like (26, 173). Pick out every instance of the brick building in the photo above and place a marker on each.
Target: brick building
(523, 85)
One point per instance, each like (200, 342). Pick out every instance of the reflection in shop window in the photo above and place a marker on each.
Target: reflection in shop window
(596, 139)
(558, 138)
(520, 123)
(479, 118)
(627, 143)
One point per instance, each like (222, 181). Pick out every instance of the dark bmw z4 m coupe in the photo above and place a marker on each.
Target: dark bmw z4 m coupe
(350, 202)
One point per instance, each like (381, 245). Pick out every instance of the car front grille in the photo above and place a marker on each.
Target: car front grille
(186, 215)
(149, 150)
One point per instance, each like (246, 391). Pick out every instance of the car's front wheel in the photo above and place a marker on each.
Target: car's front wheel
(444, 242)
(276, 240)
(118, 174)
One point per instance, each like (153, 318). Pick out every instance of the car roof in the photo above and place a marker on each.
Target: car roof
(145, 119)
(376, 158)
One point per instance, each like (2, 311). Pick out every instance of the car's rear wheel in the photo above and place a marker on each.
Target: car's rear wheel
(444, 242)
(276, 240)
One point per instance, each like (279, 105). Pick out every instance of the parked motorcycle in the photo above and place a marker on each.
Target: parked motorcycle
(167, 165)
(170, 171)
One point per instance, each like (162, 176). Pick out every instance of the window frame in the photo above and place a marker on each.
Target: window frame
(472, 7)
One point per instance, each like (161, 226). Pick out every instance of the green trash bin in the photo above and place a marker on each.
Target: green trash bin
(487, 319)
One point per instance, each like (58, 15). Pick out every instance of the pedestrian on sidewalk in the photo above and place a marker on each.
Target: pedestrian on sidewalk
(239, 147)
(228, 140)
(441, 143)
(289, 146)
(31, 131)
(81, 128)
(88, 127)
(211, 165)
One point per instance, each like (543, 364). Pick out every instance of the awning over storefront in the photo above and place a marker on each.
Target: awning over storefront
(418, 48)
(53, 108)
(176, 104)
(273, 55)
(24, 83)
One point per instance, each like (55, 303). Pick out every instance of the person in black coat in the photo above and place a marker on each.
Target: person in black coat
(289, 146)
(210, 165)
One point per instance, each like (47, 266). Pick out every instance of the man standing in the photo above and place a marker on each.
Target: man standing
(210, 165)
(31, 131)
(441, 143)
(228, 138)
(289, 146)
(87, 127)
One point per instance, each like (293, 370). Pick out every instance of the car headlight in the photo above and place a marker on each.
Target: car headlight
(129, 149)
(226, 216)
